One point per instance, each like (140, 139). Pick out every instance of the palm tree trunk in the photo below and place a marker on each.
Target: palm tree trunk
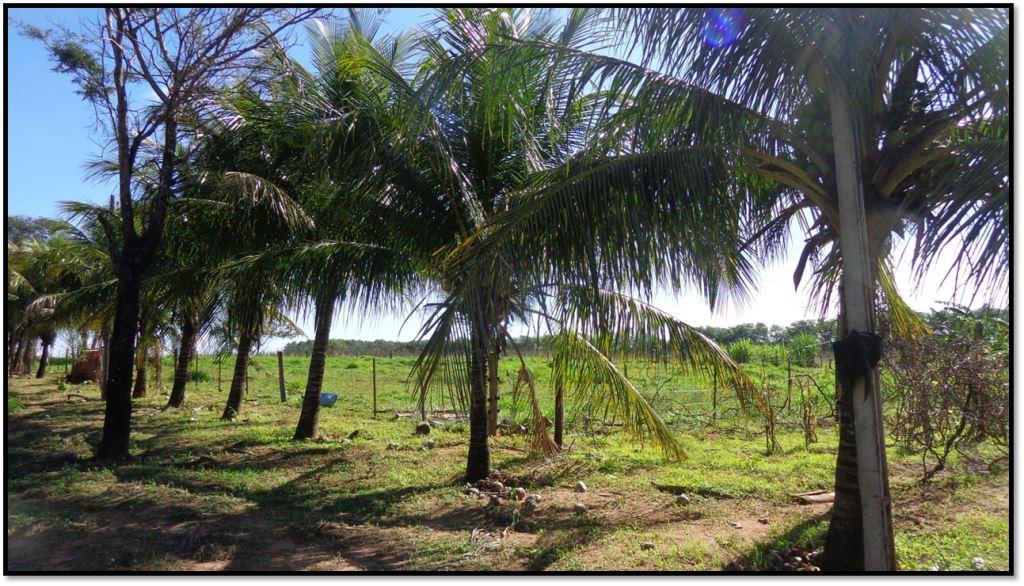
(234, 405)
(559, 411)
(156, 362)
(309, 418)
(44, 358)
(478, 463)
(492, 393)
(121, 362)
(139, 390)
(104, 361)
(187, 348)
(862, 469)
(28, 354)
(15, 359)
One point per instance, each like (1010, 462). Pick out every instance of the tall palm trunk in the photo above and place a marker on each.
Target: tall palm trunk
(478, 463)
(44, 359)
(15, 359)
(492, 393)
(559, 410)
(104, 360)
(844, 544)
(120, 364)
(234, 405)
(309, 418)
(28, 355)
(862, 480)
(8, 346)
(185, 351)
(156, 362)
(139, 390)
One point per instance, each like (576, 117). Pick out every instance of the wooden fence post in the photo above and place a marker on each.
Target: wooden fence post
(374, 388)
(280, 375)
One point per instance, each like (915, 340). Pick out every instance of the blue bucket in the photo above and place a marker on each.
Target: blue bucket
(328, 399)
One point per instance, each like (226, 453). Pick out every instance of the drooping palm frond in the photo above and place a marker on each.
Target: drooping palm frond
(628, 327)
(593, 379)
(906, 323)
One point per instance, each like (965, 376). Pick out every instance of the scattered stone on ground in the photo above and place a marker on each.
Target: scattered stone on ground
(429, 445)
(735, 525)
(763, 520)
(422, 428)
(793, 559)
(579, 508)
(979, 563)
(581, 487)
(682, 499)
(530, 504)
(392, 446)
(647, 545)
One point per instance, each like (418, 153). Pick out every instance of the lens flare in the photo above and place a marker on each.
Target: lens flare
(722, 25)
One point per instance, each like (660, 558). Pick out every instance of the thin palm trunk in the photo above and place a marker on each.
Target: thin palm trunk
(120, 364)
(559, 411)
(478, 463)
(15, 358)
(44, 358)
(139, 390)
(234, 406)
(104, 360)
(186, 349)
(492, 393)
(862, 469)
(156, 362)
(28, 355)
(309, 418)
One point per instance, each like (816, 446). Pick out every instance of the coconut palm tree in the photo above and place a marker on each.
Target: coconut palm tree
(519, 200)
(41, 273)
(314, 134)
(901, 113)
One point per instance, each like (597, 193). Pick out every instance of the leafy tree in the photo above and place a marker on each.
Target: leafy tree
(900, 111)
(181, 55)
(521, 202)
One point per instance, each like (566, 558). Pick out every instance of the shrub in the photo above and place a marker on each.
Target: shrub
(742, 351)
(771, 353)
(803, 349)
(197, 376)
(953, 396)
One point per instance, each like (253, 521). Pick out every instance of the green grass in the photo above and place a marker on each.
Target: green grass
(13, 401)
(257, 493)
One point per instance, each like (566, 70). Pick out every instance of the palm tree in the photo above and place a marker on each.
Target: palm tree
(901, 113)
(516, 197)
(285, 119)
(41, 273)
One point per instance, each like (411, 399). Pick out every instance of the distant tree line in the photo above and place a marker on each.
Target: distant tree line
(822, 330)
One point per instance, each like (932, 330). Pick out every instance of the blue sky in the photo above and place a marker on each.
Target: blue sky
(51, 136)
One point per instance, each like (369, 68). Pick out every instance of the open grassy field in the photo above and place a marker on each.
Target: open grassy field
(206, 494)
